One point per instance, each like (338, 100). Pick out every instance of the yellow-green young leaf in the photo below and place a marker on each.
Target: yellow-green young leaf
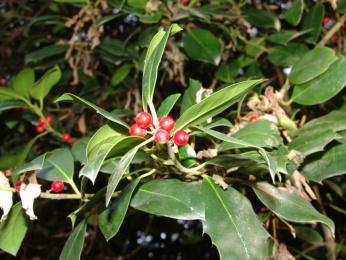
(42, 87)
(294, 14)
(322, 88)
(214, 104)
(152, 61)
(23, 81)
(74, 244)
(331, 164)
(13, 230)
(68, 97)
(290, 206)
(312, 64)
(202, 45)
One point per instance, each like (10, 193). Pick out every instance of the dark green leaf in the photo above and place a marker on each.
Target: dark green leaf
(121, 168)
(111, 219)
(295, 12)
(45, 52)
(262, 133)
(262, 18)
(228, 72)
(167, 105)
(313, 21)
(13, 230)
(312, 64)
(322, 88)
(290, 206)
(10, 104)
(74, 244)
(73, 98)
(202, 45)
(214, 104)
(229, 217)
(189, 97)
(286, 56)
(255, 47)
(331, 164)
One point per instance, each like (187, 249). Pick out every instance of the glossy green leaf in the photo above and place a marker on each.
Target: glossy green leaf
(10, 104)
(335, 121)
(255, 47)
(45, 52)
(202, 45)
(58, 166)
(288, 55)
(34, 165)
(96, 159)
(23, 81)
(313, 142)
(110, 219)
(167, 105)
(290, 206)
(294, 14)
(262, 18)
(79, 150)
(170, 198)
(189, 97)
(13, 230)
(214, 104)
(313, 22)
(308, 234)
(9, 93)
(262, 133)
(68, 97)
(322, 88)
(312, 64)
(332, 163)
(206, 201)
(152, 61)
(74, 244)
(243, 144)
(120, 74)
(121, 168)
(43, 86)
(228, 72)
(240, 235)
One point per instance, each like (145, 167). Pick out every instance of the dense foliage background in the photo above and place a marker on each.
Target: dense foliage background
(96, 49)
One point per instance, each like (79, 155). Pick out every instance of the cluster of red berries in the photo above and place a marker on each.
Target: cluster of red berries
(162, 132)
(327, 23)
(42, 123)
(56, 186)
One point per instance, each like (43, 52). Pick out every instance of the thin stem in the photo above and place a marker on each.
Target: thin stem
(153, 114)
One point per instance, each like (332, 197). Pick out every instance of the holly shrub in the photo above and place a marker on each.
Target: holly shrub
(227, 114)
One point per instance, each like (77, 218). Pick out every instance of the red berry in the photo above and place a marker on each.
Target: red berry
(2, 82)
(252, 117)
(161, 136)
(136, 130)
(144, 120)
(57, 186)
(185, 2)
(49, 119)
(41, 121)
(167, 123)
(334, 38)
(181, 138)
(40, 128)
(66, 137)
(17, 185)
(326, 20)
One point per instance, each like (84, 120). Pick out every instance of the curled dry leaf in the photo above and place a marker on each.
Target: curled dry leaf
(209, 153)
(5, 197)
(28, 193)
(220, 181)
